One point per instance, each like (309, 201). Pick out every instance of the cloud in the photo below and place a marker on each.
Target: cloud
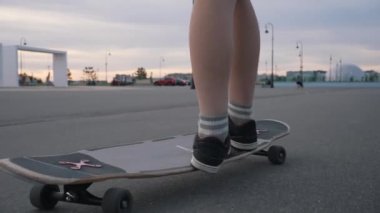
(87, 37)
(344, 29)
(77, 31)
(139, 32)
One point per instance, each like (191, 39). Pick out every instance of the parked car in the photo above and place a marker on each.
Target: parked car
(122, 80)
(167, 81)
(181, 82)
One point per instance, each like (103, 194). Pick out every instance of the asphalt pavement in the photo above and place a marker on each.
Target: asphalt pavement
(332, 163)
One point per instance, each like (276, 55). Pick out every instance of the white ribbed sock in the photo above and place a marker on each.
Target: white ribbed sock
(239, 114)
(213, 126)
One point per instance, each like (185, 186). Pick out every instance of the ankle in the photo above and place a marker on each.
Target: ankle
(213, 127)
(239, 114)
(239, 121)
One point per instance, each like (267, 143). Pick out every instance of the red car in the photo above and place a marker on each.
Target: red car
(167, 81)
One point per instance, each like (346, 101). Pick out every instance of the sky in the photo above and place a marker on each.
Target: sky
(154, 34)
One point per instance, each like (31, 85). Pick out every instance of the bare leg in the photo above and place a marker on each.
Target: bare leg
(211, 51)
(223, 36)
(245, 55)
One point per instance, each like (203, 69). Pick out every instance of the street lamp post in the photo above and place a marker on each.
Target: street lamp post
(108, 53)
(341, 70)
(300, 46)
(22, 43)
(267, 31)
(330, 68)
(162, 59)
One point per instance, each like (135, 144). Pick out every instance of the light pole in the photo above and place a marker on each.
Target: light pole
(341, 70)
(22, 43)
(108, 53)
(162, 59)
(330, 69)
(300, 46)
(267, 31)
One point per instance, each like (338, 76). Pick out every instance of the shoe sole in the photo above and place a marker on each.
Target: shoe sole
(244, 146)
(204, 167)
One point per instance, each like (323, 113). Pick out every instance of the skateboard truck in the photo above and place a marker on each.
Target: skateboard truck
(78, 166)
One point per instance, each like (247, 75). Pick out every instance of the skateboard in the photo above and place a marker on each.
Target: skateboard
(67, 177)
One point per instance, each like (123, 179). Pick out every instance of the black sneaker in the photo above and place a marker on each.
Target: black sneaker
(243, 137)
(209, 153)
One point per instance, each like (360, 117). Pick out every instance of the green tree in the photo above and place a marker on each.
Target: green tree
(141, 73)
(90, 75)
(69, 75)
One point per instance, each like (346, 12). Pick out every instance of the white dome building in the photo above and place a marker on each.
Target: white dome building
(347, 72)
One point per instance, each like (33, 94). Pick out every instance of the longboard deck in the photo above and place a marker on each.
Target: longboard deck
(145, 159)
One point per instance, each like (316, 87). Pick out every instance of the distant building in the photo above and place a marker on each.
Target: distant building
(371, 76)
(308, 76)
(262, 77)
(183, 76)
(347, 73)
(265, 78)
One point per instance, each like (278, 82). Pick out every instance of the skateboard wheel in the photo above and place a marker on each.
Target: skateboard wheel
(277, 155)
(117, 200)
(41, 196)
